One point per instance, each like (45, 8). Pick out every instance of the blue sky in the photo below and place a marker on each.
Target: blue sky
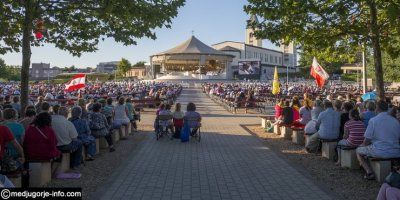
(212, 21)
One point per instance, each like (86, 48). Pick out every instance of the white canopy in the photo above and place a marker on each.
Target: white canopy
(191, 52)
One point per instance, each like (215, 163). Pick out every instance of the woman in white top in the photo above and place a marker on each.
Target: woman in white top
(121, 113)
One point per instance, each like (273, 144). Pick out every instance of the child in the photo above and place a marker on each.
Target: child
(178, 120)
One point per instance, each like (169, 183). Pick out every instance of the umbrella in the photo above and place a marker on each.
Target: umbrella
(369, 96)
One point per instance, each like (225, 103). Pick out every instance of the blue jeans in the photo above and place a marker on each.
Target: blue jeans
(91, 148)
(75, 147)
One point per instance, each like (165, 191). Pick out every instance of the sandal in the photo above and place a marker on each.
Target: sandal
(369, 176)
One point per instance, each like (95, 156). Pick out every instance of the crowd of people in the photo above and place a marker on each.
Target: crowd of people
(61, 122)
(371, 126)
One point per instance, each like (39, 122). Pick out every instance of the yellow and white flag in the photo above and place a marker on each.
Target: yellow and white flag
(275, 84)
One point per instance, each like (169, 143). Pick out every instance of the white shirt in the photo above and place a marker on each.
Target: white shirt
(64, 129)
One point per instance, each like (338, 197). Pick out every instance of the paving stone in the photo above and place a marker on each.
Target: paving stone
(228, 163)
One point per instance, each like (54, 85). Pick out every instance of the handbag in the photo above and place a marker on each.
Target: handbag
(8, 164)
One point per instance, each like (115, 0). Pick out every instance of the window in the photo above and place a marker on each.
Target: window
(270, 58)
(280, 60)
(276, 59)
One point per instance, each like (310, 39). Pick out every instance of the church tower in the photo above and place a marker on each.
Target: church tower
(289, 54)
(250, 38)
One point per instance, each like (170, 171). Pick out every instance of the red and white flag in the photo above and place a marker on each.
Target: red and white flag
(318, 73)
(77, 82)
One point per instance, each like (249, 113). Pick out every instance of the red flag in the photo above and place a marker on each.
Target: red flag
(77, 82)
(318, 73)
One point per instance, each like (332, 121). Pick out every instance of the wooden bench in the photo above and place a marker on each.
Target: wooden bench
(381, 167)
(40, 172)
(298, 135)
(286, 132)
(328, 148)
(348, 157)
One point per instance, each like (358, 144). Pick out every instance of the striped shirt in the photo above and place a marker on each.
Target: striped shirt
(356, 130)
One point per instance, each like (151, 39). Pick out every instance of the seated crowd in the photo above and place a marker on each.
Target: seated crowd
(51, 128)
(371, 127)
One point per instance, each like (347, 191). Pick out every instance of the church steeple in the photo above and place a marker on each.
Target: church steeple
(250, 38)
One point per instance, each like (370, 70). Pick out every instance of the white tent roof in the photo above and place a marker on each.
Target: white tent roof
(193, 46)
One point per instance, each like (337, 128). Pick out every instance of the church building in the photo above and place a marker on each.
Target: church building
(252, 51)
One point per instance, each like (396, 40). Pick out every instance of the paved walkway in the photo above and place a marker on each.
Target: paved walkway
(229, 163)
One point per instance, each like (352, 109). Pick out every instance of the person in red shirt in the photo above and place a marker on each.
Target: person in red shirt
(6, 137)
(278, 108)
(40, 141)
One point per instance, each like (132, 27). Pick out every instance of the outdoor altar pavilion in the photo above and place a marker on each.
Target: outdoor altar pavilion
(191, 56)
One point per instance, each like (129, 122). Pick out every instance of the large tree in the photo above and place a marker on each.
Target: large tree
(123, 66)
(344, 25)
(77, 25)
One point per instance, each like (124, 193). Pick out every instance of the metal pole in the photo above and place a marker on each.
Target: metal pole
(287, 74)
(364, 70)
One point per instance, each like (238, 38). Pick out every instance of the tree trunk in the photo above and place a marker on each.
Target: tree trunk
(26, 55)
(376, 46)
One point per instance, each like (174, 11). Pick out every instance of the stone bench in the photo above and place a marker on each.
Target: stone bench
(328, 148)
(286, 132)
(129, 129)
(65, 163)
(265, 119)
(306, 139)
(277, 129)
(40, 173)
(298, 136)
(98, 145)
(15, 179)
(381, 167)
(348, 157)
(102, 143)
(115, 135)
(122, 132)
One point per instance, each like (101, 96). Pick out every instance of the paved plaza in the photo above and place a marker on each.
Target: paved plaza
(228, 163)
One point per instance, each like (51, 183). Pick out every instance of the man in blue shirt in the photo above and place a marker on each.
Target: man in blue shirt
(381, 138)
(328, 126)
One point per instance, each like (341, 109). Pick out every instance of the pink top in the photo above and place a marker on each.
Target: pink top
(278, 111)
(296, 114)
(40, 145)
(356, 130)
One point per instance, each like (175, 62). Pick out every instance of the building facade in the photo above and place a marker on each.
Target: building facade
(43, 71)
(107, 67)
(137, 73)
(285, 58)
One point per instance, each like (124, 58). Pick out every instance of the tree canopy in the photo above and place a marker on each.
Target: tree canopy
(77, 26)
(123, 66)
(341, 26)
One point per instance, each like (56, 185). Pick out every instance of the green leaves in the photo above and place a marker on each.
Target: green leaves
(123, 66)
(76, 26)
